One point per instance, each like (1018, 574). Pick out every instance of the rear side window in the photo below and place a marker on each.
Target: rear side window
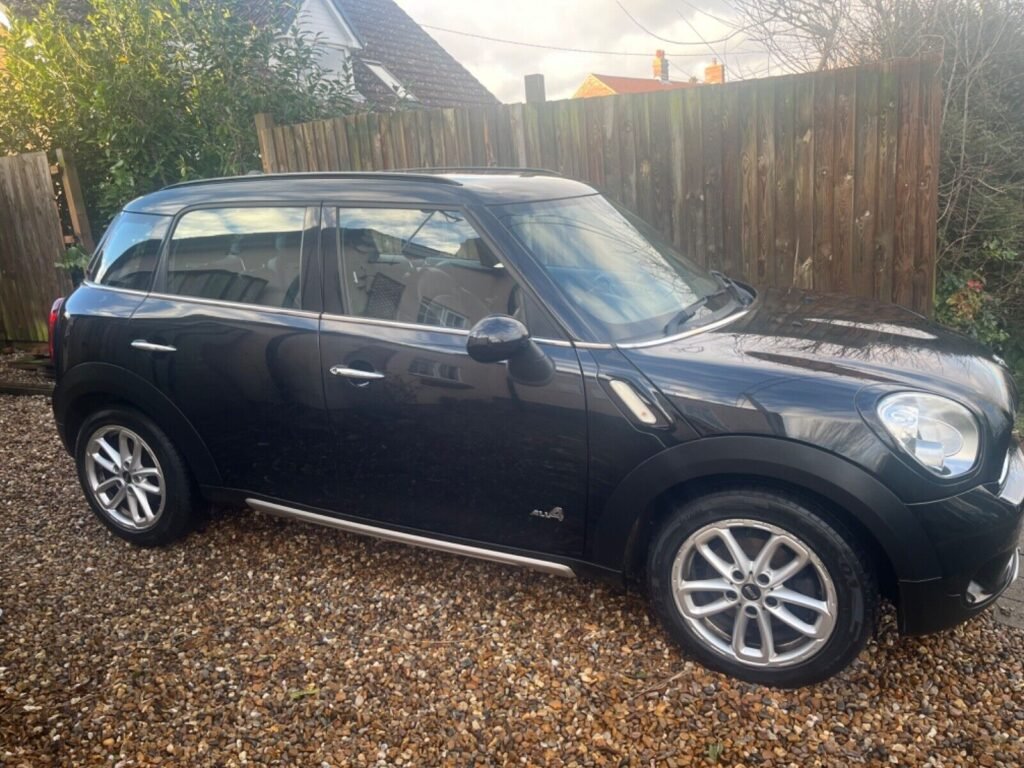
(244, 255)
(128, 254)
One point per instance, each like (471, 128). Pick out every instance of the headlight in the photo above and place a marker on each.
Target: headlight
(940, 434)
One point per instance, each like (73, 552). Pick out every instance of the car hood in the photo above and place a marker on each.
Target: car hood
(796, 350)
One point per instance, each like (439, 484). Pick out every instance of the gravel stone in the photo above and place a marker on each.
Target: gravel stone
(263, 642)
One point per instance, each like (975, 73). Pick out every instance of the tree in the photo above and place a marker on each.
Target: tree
(147, 94)
(981, 182)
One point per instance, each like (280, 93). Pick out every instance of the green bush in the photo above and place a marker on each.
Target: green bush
(150, 93)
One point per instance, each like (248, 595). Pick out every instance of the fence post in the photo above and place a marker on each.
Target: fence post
(265, 133)
(75, 200)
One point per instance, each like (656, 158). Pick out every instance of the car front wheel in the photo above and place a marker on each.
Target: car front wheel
(763, 586)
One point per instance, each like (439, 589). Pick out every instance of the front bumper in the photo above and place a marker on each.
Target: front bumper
(975, 536)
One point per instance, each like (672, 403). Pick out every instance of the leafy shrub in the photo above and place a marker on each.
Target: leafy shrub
(150, 93)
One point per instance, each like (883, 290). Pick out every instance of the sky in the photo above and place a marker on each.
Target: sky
(600, 25)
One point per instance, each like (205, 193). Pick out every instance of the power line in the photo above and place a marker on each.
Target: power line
(570, 50)
(644, 29)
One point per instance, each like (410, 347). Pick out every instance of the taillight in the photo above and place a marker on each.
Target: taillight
(54, 316)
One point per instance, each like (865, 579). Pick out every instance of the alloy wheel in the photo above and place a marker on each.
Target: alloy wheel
(125, 477)
(754, 593)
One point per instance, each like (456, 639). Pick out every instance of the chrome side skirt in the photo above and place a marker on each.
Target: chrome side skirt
(546, 566)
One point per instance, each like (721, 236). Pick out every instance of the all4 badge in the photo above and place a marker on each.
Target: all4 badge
(552, 514)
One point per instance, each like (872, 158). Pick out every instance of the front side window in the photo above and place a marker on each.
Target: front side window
(428, 267)
(127, 256)
(243, 255)
(620, 274)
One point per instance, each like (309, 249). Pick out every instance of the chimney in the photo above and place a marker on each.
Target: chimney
(660, 66)
(715, 74)
(534, 89)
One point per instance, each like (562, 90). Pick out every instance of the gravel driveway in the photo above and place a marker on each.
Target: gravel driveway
(264, 642)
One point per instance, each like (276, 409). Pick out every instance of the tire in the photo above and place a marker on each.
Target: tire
(159, 518)
(822, 627)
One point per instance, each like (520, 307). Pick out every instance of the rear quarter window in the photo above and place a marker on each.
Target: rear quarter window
(127, 255)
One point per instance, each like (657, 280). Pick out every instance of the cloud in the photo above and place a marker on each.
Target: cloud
(590, 24)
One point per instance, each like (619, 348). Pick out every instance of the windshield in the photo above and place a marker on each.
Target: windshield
(618, 272)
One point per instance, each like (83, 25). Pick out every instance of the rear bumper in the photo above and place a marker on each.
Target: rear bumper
(976, 537)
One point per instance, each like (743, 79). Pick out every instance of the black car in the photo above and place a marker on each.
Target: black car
(508, 366)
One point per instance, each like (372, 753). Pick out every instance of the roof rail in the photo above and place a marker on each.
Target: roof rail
(496, 169)
(400, 175)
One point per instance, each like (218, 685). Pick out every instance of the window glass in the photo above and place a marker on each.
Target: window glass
(615, 269)
(247, 255)
(128, 254)
(427, 267)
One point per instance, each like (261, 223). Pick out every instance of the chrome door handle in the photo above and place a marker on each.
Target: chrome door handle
(355, 373)
(149, 346)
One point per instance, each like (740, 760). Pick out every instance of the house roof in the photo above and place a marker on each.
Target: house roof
(388, 36)
(427, 70)
(615, 84)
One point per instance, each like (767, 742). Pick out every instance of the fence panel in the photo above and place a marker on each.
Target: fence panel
(31, 242)
(826, 180)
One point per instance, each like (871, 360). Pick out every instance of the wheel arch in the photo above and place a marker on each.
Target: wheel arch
(620, 535)
(89, 386)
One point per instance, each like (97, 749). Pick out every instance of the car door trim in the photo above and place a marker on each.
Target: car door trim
(426, 542)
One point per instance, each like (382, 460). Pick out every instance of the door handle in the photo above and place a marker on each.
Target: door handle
(149, 346)
(355, 373)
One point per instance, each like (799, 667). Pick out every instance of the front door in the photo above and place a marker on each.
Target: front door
(424, 436)
(230, 335)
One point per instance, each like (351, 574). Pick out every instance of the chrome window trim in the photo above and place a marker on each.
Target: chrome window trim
(396, 324)
(685, 334)
(233, 304)
(114, 288)
(388, 534)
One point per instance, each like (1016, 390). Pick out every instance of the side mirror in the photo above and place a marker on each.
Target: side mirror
(499, 337)
(496, 338)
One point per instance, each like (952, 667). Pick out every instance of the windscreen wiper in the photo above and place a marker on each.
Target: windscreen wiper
(684, 315)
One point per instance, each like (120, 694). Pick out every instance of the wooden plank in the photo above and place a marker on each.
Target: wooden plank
(865, 187)
(824, 180)
(450, 137)
(732, 182)
(766, 183)
(290, 138)
(611, 141)
(330, 145)
(908, 157)
(387, 144)
(265, 137)
(355, 148)
(309, 146)
(711, 147)
(76, 200)
(341, 139)
(885, 192)
(548, 140)
(518, 131)
(927, 187)
(845, 159)
(437, 158)
(642, 139)
(593, 117)
(281, 134)
(424, 138)
(625, 130)
(803, 183)
(750, 211)
(376, 140)
(785, 192)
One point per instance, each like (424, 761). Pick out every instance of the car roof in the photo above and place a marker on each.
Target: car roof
(428, 187)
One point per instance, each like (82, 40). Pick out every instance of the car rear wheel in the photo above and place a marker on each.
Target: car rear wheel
(763, 586)
(134, 477)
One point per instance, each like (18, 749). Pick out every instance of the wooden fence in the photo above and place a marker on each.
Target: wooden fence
(31, 243)
(826, 180)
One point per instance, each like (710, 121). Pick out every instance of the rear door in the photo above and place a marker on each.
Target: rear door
(229, 333)
(424, 436)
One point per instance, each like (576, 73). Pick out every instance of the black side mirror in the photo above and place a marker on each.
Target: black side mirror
(499, 337)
